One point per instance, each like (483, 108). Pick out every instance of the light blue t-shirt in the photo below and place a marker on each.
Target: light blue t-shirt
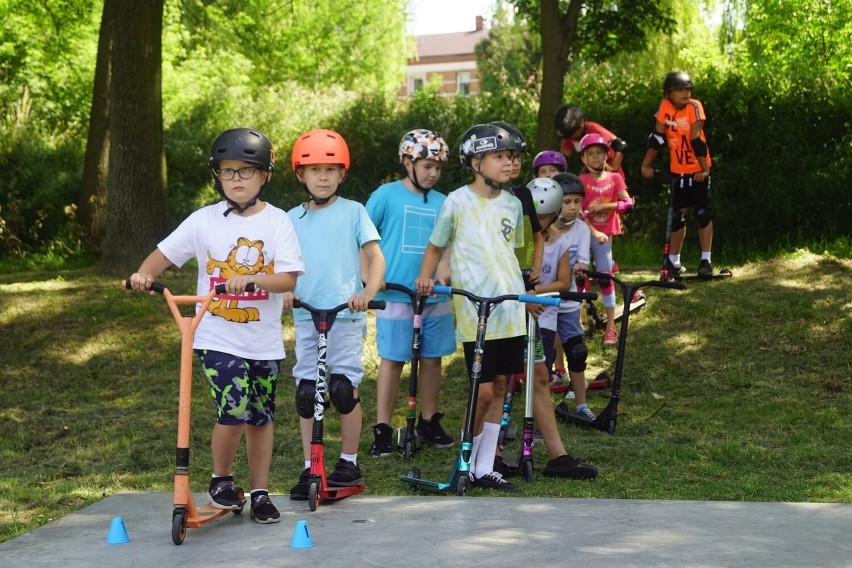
(405, 223)
(330, 239)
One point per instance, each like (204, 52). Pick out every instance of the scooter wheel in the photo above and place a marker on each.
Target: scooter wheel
(413, 473)
(313, 496)
(528, 471)
(408, 450)
(462, 484)
(178, 527)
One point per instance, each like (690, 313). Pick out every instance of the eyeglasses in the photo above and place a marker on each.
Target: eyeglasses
(227, 174)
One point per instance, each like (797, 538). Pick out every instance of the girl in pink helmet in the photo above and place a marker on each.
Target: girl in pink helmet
(606, 198)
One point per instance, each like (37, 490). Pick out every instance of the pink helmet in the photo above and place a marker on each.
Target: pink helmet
(593, 140)
(550, 158)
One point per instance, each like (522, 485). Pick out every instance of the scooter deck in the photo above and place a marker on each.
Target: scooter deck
(723, 273)
(634, 306)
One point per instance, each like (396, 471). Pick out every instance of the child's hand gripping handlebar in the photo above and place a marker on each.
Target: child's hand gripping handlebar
(373, 305)
(161, 288)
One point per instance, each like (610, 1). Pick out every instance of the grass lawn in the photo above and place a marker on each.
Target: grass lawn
(735, 389)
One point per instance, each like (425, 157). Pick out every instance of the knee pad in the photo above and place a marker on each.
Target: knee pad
(306, 393)
(678, 221)
(342, 393)
(576, 353)
(703, 216)
(606, 286)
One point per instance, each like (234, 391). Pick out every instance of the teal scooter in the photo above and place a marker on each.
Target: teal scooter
(459, 479)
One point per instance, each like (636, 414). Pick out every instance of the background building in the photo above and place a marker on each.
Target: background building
(450, 56)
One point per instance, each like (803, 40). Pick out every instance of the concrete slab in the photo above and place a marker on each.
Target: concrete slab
(454, 531)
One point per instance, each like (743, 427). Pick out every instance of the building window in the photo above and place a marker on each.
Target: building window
(463, 83)
(416, 84)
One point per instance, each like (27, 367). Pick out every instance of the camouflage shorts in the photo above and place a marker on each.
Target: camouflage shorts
(242, 389)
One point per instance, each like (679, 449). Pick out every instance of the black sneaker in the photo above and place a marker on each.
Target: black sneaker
(431, 431)
(222, 493)
(494, 480)
(705, 268)
(262, 509)
(675, 270)
(299, 492)
(381, 447)
(345, 474)
(570, 467)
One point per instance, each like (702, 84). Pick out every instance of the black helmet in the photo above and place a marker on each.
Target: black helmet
(480, 139)
(515, 132)
(569, 183)
(243, 144)
(676, 80)
(567, 120)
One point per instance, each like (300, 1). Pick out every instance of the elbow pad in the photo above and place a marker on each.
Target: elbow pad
(656, 141)
(699, 146)
(618, 145)
(624, 205)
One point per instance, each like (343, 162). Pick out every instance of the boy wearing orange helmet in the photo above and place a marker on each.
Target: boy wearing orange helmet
(333, 231)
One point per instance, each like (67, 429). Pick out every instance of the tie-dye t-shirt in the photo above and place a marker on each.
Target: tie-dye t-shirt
(484, 234)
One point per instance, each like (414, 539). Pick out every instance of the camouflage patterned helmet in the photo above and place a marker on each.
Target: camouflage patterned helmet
(420, 143)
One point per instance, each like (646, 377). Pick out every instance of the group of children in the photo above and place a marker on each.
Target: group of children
(490, 237)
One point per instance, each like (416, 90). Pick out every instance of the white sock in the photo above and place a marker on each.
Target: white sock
(307, 464)
(474, 450)
(349, 457)
(487, 449)
(705, 256)
(675, 258)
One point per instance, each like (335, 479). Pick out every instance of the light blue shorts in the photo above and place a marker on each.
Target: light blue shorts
(343, 356)
(394, 331)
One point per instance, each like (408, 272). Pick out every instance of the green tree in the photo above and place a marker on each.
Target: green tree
(598, 30)
(357, 45)
(136, 208)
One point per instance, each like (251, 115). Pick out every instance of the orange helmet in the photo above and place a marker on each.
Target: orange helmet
(320, 147)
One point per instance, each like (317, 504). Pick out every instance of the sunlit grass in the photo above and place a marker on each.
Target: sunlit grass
(736, 389)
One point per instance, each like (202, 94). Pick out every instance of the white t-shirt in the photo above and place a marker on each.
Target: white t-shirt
(484, 234)
(246, 325)
(577, 241)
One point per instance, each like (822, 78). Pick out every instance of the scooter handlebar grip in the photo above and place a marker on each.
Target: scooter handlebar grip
(579, 296)
(220, 288)
(376, 304)
(539, 300)
(155, 286)
(438, 289)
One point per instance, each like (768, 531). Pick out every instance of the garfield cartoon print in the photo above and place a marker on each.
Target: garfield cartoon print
(245, 258)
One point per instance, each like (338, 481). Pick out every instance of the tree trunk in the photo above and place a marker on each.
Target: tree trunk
(136, 207)
(93, 194)
(557, 37)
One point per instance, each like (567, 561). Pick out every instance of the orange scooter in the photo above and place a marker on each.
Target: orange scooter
(185, 513)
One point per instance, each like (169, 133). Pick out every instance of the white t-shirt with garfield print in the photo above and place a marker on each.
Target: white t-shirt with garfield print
(247, 325)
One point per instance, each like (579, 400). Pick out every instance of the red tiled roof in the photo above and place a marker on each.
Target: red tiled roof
(444, 45)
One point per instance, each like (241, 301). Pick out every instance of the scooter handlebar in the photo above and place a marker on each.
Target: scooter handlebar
(647, 284)
(439, 289)
(160, 288)
(530, 299)
(373, 305)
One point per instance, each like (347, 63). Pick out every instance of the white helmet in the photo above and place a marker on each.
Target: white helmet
(546, 195)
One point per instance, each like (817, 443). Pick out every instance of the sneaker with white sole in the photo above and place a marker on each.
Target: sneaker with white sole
(432, 432)
(345, 474)
(586, 413)
(262, 509)
(494, 480)
(223, 494)
(610, 336)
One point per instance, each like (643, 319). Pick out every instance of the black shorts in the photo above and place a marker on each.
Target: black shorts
(499, 357)
(686, 192)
